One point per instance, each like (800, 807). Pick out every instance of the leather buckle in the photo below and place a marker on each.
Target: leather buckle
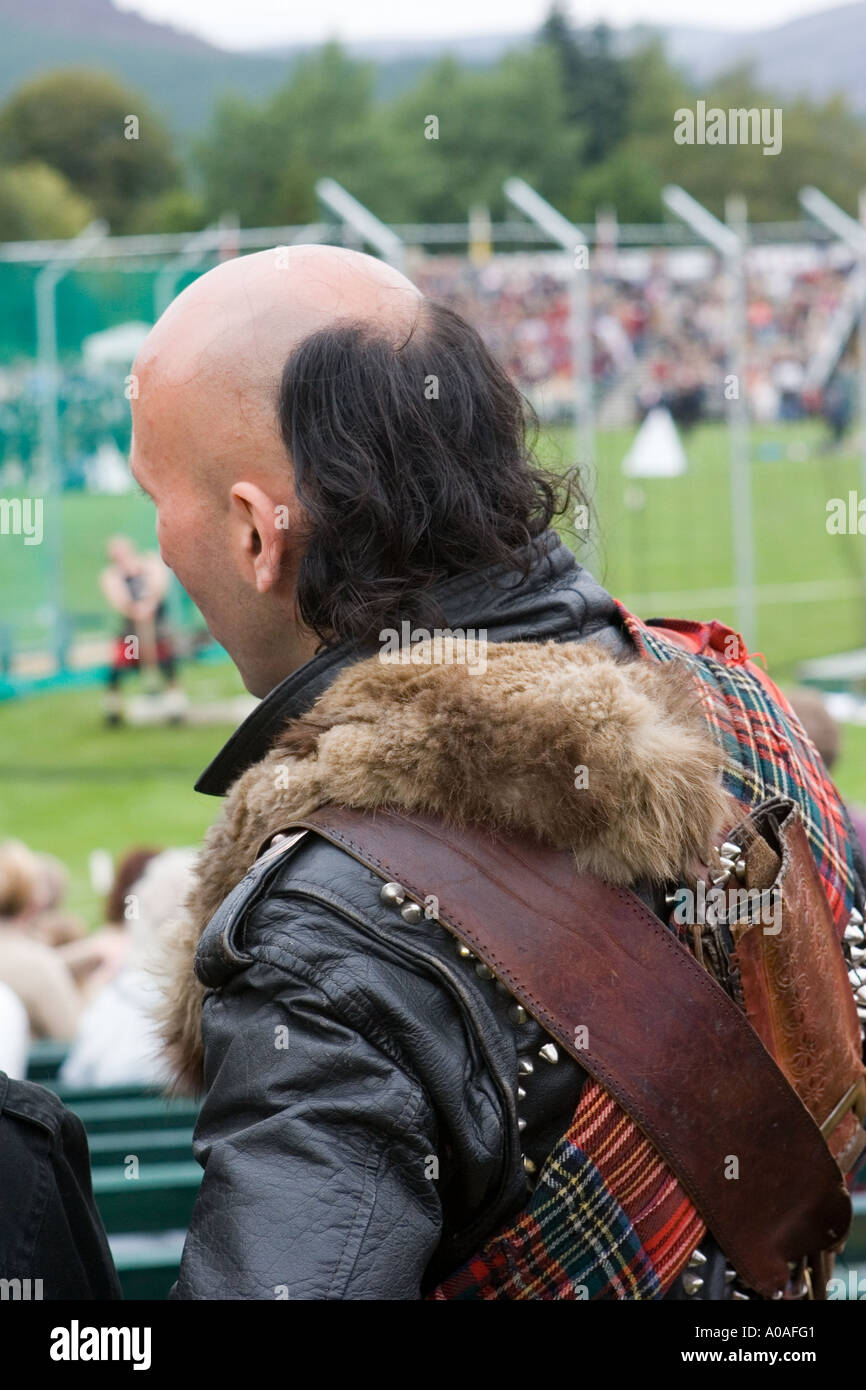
(799, 1288)
(277, 843)
(853, 1099)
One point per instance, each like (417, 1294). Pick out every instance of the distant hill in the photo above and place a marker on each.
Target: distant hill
(818, 54)
(96, 19)
(184, 75)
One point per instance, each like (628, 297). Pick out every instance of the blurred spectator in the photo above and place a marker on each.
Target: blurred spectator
(136, 584)
(96, 958)
(788, 381)
(117, 1042)
(32, 887)
(45, 917)
(32, 970)
(837, 404)
(14, 1034)
(823, 730)
(28, 966)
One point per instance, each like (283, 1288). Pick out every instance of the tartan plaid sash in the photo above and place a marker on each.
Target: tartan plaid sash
(608, 1218)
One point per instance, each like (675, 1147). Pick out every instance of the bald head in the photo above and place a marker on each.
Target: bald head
(221, 345)
(206, 436)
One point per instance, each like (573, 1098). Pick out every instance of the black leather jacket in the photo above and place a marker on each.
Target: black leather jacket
(52, 1241)
(320, 1141)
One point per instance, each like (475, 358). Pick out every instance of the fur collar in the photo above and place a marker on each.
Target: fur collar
(503, 746)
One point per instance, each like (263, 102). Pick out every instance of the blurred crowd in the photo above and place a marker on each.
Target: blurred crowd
(95, 990)
(661, 329)
(93, 419)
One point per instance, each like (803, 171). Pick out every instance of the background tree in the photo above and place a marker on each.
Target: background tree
(508, 119)
(263, 162)
(597, 83)
(77, 122)
(36, 201)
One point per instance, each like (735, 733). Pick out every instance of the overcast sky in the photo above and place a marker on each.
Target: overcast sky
(254, 23)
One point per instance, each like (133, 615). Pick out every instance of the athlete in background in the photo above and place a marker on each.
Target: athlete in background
(135, 583)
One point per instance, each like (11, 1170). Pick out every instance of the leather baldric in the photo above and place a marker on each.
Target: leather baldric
(613, 985)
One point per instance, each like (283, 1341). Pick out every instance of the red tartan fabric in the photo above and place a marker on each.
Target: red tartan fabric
(767, 751)
(608, 1218)
(664, 1219)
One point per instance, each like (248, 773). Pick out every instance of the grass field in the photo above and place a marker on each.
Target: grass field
(661, 558)
(69, 786)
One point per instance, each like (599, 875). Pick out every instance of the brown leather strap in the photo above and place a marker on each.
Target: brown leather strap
(663, 1038)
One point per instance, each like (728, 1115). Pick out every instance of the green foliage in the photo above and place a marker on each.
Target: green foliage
(629, 181)
(177, 210)
(79, 123)
(508, 120)
(37, 201)
(584, 125)
(262, 162)
(598, 85)
(824, 144)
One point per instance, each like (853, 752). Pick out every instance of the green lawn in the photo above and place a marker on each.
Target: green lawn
(679, 541)
(850, 772)
(73, 546)
(70, 786)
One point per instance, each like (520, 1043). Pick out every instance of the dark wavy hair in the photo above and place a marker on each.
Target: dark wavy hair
(413, 462)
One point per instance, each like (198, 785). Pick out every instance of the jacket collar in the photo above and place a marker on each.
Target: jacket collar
(559, 599)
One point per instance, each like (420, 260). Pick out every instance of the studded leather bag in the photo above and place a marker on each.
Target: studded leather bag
(748, 1137)
(767, 934)
(793, 976)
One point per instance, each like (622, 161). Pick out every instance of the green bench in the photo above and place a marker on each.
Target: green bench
(148, 1145)
(144, 1112)
(45, 1059)
(146, 1216)
(161, 1197)
(147, 1264)
(73, 1096)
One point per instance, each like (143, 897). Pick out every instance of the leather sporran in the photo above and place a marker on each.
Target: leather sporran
(789, 968)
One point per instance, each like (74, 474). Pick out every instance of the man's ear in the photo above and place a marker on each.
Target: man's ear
(262, 528)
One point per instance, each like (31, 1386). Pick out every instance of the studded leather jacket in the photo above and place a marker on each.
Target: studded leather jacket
(316, 1173)
(375, 1106)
